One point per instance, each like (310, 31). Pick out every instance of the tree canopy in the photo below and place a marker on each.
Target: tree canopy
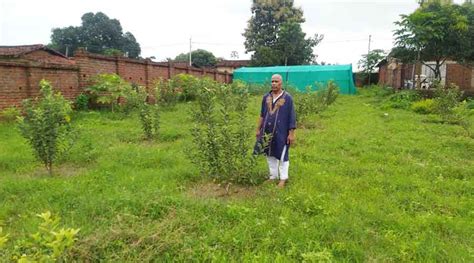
(98, 34)
(369, 61)
(275, 37)
(436, 32)
(199, 58)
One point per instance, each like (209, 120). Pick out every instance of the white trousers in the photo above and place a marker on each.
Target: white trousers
(275, 166)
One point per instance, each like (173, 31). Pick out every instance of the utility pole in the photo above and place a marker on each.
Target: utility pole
(67, 51)
(368, 54)
(190, 49)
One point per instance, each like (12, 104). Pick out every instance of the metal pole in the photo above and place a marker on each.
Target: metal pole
(190, 49)
(368, 52)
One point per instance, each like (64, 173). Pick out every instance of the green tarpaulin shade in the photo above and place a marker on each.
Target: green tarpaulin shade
(300, 76)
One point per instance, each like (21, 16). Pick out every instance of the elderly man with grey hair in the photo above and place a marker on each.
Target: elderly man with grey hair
(278, 123)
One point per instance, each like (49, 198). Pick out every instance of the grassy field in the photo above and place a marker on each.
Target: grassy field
(366, 185)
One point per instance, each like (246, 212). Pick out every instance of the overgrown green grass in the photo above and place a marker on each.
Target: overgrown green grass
(366, 185)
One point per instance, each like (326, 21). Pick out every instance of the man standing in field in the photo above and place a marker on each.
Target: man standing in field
(278, 123)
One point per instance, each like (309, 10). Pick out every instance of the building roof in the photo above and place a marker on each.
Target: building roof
(15, 51)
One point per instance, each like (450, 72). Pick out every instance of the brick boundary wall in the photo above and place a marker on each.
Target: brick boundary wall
(19, 79)
(462, 76)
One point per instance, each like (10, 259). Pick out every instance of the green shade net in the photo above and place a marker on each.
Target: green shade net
(300, 76)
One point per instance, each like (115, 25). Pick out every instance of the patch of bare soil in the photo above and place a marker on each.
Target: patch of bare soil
(208, 190)
(65, 170)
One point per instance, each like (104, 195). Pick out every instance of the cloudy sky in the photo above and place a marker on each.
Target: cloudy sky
(164, 27)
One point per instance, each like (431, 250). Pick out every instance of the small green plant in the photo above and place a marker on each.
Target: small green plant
(304, 104)
(181, 87)
(108, 89)
(48, 244)
(10, 114)
(3, 238)
(165, 94)
(3, 242)
(470, 104)
(150, 120)
(446, 99)
(185, 86)
(222, 136)
(82, 102)
(401, 100)
(426, 106)
(314, 102)
(323, 256)
(461, 115)
(46, 125)
(134, 98)
(328, 94)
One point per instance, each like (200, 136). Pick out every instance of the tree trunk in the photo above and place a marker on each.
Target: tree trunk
(414, 71)
(49, 167)
(438, 71)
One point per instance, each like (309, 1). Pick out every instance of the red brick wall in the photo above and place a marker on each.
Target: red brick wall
(141, 72)
(46, 57)
(65, 81)
(13, 88)
(19, 79)
(460, 75)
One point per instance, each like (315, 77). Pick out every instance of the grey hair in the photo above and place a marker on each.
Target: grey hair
(277, 76)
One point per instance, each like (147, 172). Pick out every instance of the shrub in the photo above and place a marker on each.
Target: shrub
(222, 136)
(304, 104)
(48, 244)
(402, 99)
(82, 102)
(134, 99)
(446, 99)
(3, 239)
(150, 120)
(10, 114)
(376, 91)
(327, 94)
(165, 94)
(46, 124)
(315, 101)
(186, 86)
(461, 115)
(182, 87)
(470, 104)
(426, 106)
(108, 88)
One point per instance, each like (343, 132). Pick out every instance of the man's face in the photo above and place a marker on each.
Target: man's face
(276, 84)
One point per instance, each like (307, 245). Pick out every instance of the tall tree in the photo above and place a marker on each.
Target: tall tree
(294, 47)
(466, 53)
(434, 33)
(443, 2)
(273, 26)
(199, 58)
(98, 33)
(369, 61)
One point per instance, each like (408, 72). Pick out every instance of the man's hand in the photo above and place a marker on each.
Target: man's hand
(257, 133)
(291, 137)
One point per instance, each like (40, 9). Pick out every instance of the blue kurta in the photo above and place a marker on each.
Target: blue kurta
(278, 119)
